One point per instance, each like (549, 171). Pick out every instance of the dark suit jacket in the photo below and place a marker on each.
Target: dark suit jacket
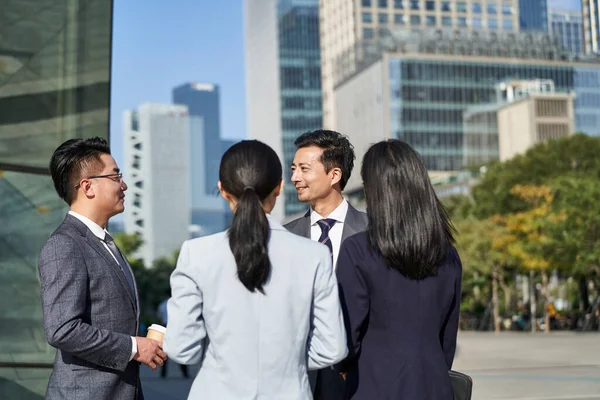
(401, 332)
(90, 315)
(356, 221)
(331, 385)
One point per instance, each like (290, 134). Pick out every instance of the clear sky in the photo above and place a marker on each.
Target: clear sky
(160, 44)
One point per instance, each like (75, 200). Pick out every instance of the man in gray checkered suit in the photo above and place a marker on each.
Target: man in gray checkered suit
(89, 295)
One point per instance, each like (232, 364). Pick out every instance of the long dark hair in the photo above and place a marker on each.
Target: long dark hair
(250, 170)
(408, 225)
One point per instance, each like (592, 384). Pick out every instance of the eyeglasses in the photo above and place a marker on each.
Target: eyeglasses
(110, 176)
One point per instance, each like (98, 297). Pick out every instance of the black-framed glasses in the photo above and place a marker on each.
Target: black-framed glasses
(110, 176)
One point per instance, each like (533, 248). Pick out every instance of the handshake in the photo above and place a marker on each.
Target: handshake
(149, 348)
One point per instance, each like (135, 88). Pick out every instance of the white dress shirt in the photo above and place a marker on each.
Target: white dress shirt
(335, 233)
(100, 233)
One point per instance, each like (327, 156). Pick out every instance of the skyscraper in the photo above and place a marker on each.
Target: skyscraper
(591, 25)
(209, 212)
(533, 15)
(567, 25)
(157, 168)
(344, 22)
(283, 78)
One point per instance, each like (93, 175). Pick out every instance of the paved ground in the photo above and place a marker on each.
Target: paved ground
(518, 366)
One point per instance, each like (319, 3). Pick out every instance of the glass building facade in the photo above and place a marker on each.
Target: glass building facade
(300, 82)
(533, 15)
(441, 87)
(568, 27)
(429, 99)
(54, 85)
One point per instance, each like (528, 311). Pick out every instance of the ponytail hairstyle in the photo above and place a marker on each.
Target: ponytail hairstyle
(250, 171)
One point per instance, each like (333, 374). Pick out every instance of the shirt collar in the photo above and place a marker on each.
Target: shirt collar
(92, 226)
(339, 214)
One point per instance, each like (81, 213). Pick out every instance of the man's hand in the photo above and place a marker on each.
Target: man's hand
(149, 352)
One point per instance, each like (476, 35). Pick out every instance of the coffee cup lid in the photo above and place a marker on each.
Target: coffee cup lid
(158, 328)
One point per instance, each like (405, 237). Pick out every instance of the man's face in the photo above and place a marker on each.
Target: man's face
(109, 192)
(309, 177)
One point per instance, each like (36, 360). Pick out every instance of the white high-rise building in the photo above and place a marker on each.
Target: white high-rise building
(157, 173)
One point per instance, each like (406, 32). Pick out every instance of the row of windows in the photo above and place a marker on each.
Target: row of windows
(302, 123)
(440, 94)
(445, 6)
(491, 74)
(431, 20)
(301, 103)
(300, 78)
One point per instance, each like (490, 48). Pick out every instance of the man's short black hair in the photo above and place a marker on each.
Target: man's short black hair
(71, 160)
(337, 151)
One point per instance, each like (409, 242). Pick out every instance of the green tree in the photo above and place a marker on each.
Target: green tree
(576, 155)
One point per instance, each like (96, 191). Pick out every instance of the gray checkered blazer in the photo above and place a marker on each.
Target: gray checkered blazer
(90, 315)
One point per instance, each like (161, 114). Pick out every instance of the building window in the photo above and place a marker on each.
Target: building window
(366, 3)
(507, 9)
(430, 20)
(461, 22)
(446, 21)
(492, 9)
(446, 6)
(382, 3)
(477, 23)
(399, 4)
(507, 24)
(383, 18)
(476, 8)
(368, 33)
(430, 5)
(415, 20)
(384, 32)
(493, 23)
(138, 146)
(461, 7)
(367, 18)
(414, 4)
(399, 19)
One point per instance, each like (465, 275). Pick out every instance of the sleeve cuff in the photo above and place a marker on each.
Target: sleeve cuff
(133, 348)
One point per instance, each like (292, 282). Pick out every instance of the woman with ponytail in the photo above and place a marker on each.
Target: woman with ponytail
(256, 306)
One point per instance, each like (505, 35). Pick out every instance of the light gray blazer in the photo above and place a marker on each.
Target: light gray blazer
(90, 315)
(254, 346)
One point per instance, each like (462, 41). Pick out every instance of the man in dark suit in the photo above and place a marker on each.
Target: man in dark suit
(321, 168)
(89, 295)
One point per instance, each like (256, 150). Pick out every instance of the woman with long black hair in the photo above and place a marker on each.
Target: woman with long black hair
(256, 305)
(400, 284)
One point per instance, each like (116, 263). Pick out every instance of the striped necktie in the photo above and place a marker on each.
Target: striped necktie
(326, 224)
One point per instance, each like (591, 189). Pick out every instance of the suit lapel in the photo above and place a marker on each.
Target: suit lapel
(115, 268)
(305, 226)
(352, 223)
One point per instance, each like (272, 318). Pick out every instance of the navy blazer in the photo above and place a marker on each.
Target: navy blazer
(401, 332)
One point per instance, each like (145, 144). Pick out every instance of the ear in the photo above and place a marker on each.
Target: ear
(87, 189)
(336, 175)
(223, 192)
(279, 188)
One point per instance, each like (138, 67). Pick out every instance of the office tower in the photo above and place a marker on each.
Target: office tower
(54, 86)
(202, 100)
(591, 25)
(157, 172)
(209, 211)
(418, 87)
(533, 15)
(283, 78)
(344, 22)
(567, 26)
